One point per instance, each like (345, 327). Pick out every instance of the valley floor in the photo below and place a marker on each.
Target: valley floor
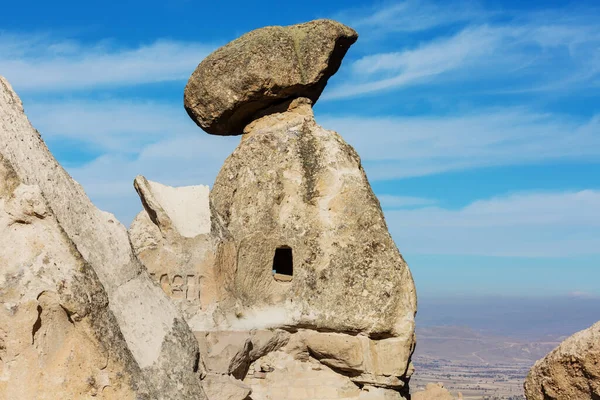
(473, 381)
(478, 365)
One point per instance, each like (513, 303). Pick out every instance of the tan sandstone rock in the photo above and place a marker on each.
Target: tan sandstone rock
(292, 188)
(298, 289)
(571, 371)
(434, 391)
(281, 376)
(297, 243)
(157, 337)
(225, 387)
(184, 209)
(58, 338)
(262, 68)
(184, 248)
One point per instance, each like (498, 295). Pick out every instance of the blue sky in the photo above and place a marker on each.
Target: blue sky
(478, 122)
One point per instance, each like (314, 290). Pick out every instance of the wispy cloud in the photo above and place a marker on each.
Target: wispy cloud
(386, 71)
(154, 139)
(412, 15)
(160, 141)
(524, 51)
(38, 63)
(423, 145)
(435, 57)
(390, 202)
(114, 125)
(528, 224)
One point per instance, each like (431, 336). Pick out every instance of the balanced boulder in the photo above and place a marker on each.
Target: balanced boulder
(262, 68)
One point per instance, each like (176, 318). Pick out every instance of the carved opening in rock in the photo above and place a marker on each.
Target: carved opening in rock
(283, 264)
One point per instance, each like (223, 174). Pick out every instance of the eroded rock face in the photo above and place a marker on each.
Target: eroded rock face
(301, 292)
(184, 248)
(157, 337)
(58, 338)
(309, 284)
(435, 391)
(282, 375)
(571, 371)
(262, 68)
(293, 187)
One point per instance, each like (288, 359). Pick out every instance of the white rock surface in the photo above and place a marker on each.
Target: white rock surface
(291, 185)
(155, 333)
(184, 208)
(58, 338)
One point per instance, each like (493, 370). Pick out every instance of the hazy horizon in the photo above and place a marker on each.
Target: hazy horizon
(527, 318)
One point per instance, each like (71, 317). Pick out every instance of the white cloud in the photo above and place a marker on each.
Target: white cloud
(411, 16)
(527, 224)
(120, 126)
(531, 52)
(39, 63)
(154, 139)
(434, 57)
(415, 146)
(177, 161)
(159, 140)
(391, 70)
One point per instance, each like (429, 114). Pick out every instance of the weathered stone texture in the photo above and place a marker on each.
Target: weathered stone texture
(58, 338)
(195, 268)
(292, 183)
(571, 371)
(262, 68)
(435, 391)
(152, 327)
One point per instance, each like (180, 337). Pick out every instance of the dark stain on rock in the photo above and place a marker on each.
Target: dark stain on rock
(309, 156)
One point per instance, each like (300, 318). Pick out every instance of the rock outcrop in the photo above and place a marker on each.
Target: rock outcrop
(155, 334)
(282, 282)
(296, 189)
(58, 338)
(263, 68)
(185, 249)
(571, 371)
(435, 391)
(297, 289)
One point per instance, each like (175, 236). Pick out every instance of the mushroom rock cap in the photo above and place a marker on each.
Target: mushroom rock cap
(263, 68)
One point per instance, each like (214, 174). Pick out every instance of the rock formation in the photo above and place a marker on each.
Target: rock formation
(282, 282)
(58, 338)
(571, 371)
(76, 259)
(293, 286)
(263, 68)
(435, 391)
